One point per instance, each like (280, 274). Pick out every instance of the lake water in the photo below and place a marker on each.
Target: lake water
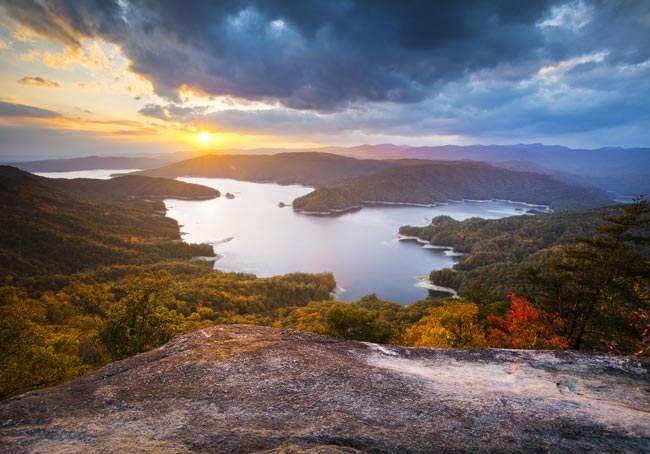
(360, 248)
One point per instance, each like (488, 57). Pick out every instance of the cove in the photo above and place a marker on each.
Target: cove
(253, 235)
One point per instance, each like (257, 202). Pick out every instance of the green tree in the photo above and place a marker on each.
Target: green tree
(141, 320)
(592, 281)
(349, 322)
(481, 293)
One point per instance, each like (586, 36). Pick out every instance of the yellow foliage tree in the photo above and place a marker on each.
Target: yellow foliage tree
(452, 325)
(33, 355)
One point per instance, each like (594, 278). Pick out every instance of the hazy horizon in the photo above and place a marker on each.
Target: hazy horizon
(188, 153)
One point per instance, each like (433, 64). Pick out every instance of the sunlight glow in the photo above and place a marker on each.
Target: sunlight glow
(204, 137)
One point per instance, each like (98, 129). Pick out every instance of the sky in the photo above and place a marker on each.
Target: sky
(132, 77)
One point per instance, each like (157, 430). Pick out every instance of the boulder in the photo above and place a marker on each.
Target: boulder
(246, 389)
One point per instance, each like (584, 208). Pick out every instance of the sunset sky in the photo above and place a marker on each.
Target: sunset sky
(136, 77)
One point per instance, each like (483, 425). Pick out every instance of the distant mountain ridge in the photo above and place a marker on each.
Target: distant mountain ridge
(90, 163)
(308, 168)
(622, 170)
(344, 182)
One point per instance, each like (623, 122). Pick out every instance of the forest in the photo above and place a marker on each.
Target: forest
(343, 182)
(590, 268)
(86, 281)
(90, 280)
(444, 181)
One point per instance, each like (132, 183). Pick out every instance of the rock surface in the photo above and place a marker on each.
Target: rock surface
(243, 389)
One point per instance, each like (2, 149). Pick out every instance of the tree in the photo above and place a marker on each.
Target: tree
(349, 322)
(141, 320)
(525, 327)
(481, 293)
(639, 320)
(452, 325)
(592, 281)
(32, 355)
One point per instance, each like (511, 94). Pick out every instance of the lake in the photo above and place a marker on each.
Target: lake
(360, 248)
(254, 235)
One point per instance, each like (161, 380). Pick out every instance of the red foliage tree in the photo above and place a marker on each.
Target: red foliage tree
(526, 327)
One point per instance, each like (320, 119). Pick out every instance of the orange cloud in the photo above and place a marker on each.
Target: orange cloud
(30, 56)
(38, 82)
(90, 84)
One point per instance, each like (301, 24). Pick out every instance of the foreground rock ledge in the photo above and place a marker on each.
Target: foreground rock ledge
(253, 389)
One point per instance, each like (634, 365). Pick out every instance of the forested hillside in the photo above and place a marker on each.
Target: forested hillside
(498, 250)
(47, 231)
(284, 168)
(84, 282)
(590, 269)
(443, 181)
(132, 187)
(92, 162)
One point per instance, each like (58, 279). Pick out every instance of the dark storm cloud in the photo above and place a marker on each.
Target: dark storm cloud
(319, 55)
(8, 109)
(492, 68)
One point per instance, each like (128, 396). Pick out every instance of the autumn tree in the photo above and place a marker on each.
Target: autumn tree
(141, 320)
(32, 355)
(452, 325)
(592, 281)
(639, 321)
(349, 322)
(525, 327)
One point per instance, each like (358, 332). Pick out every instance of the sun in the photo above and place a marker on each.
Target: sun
(204, 137)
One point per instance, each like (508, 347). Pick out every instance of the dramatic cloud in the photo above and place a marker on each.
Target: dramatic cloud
(8, 109)
(38, 82)
(320, 55)
(502, 69)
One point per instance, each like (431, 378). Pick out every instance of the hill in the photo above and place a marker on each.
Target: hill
(90, 163)
(620, 170)
(85, 281)
(497, 251)
(132, 187)
(444, 181)
(48, 231)
(602, 162)
(312, 169)
(235, 389)
(120, 188)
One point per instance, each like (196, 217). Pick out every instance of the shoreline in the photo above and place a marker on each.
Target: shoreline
(425, 282)
(448, 250)
(174, 197)
(367, 203)
(331, 212)
(203, 258)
